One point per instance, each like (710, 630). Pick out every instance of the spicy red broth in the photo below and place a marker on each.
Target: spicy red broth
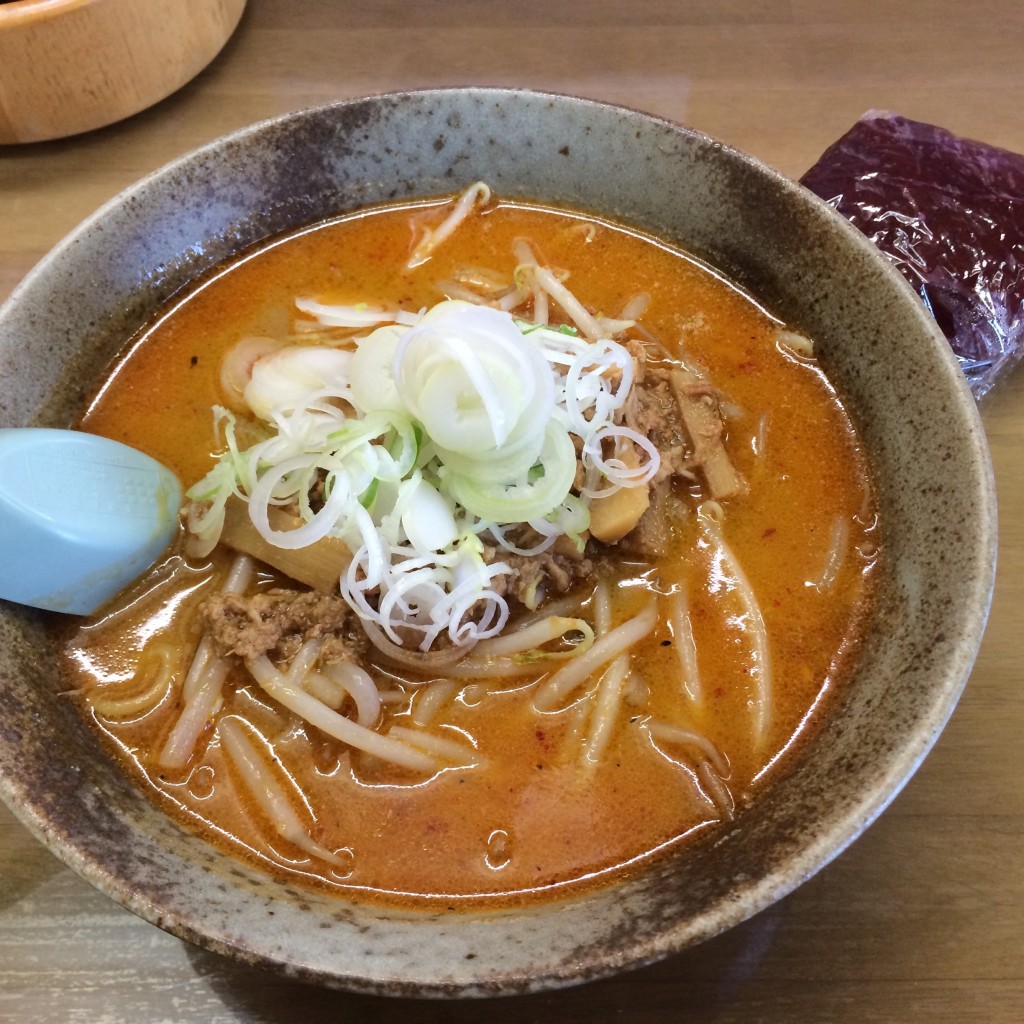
(688, 739)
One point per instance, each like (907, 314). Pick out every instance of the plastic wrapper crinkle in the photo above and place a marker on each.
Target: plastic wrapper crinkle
(949, 212)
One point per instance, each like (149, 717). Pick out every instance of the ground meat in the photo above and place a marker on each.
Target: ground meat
(651, 409)
(552, 572)
(637, 348)
(277, 622)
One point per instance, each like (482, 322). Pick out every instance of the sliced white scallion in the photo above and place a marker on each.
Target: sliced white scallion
(534, 495)
(429, 520)
(283, 379)
(431, 431)
(373, 378)
(468, 374)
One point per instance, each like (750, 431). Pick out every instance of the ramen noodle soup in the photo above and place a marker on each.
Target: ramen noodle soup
(521, 548)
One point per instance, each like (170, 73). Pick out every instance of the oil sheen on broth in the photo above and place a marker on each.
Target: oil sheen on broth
(517, 803)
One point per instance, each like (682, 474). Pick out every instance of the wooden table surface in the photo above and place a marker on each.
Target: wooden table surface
(923, 918)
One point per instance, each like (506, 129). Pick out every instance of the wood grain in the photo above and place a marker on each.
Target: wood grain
(922, 920)
(68, 66)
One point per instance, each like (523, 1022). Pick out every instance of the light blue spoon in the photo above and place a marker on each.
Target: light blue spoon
(80, 517)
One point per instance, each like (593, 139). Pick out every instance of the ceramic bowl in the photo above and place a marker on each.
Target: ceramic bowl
(919, 423)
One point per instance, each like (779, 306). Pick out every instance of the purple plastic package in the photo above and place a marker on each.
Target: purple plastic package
(949, 212)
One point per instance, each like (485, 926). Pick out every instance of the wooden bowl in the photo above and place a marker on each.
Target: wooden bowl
(67, 66)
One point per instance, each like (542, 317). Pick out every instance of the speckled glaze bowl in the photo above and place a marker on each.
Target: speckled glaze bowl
(919, 423)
